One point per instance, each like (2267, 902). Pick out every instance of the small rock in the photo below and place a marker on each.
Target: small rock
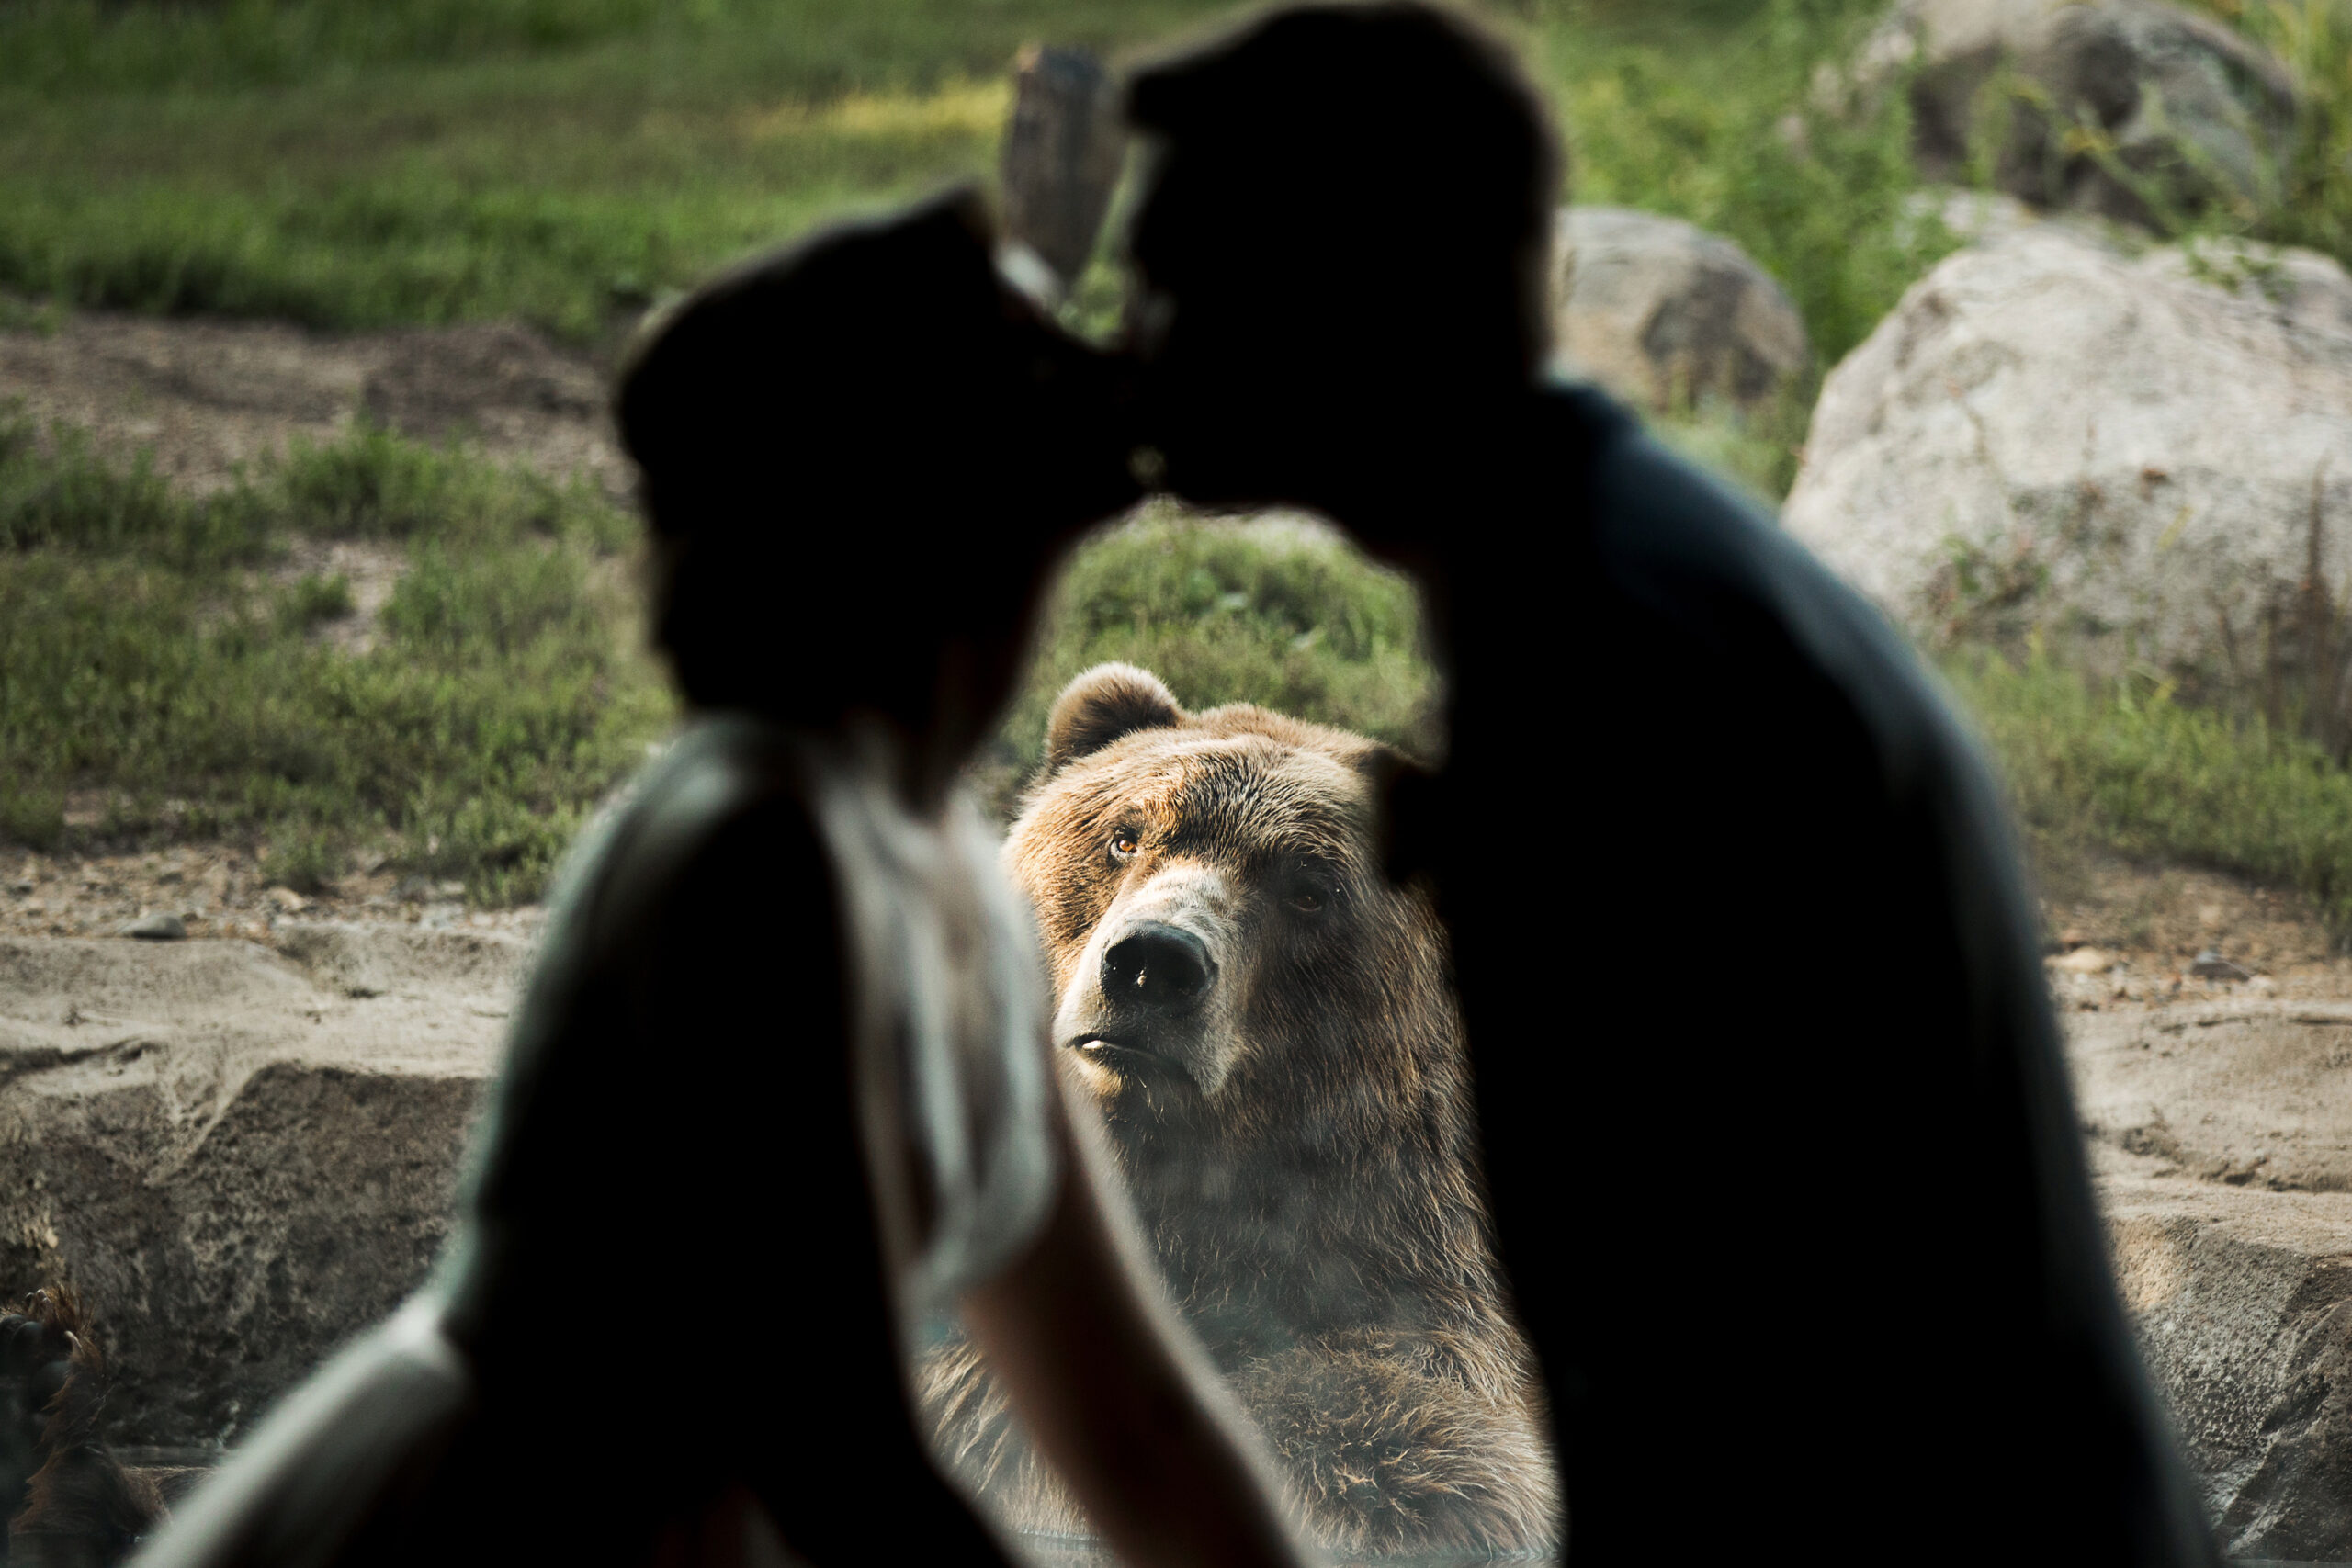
(21, 889)
(451, 889)
(2212, 965)
(1662, 312)
(2072, 938)
(158, 926)
(286, 898)
(2085, 961)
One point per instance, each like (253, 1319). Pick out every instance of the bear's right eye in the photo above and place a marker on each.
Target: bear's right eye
(1124, 843)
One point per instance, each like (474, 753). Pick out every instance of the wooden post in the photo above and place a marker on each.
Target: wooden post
(1062, 152)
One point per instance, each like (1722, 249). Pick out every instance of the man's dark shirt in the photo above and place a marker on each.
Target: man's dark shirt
(1779, 1132)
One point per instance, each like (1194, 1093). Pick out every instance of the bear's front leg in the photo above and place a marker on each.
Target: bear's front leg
(1388, 1448)
(981, 1442)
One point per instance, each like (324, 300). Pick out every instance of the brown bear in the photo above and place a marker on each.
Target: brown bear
(65, 1501)
(1268, 1026)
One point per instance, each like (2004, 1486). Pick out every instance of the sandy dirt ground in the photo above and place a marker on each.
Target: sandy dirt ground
(2125, 936)
(216, 890)
(203, 396)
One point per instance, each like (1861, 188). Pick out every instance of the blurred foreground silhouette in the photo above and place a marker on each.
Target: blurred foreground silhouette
(1944, 1339)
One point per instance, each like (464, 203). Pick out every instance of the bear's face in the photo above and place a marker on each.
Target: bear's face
(1227, 956)
(1266, 1022)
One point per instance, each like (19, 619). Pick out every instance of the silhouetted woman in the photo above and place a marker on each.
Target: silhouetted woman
(779, 1088)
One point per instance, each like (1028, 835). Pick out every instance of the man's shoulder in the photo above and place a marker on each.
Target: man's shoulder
(1675, 553)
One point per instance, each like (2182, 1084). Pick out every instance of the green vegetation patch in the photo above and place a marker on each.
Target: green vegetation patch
(1282, 613)
(349, 165)
(2124, 766)
(168, 668)
(178, 669)
(366, 162)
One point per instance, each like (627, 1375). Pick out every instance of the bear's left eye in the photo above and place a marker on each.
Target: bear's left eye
(1309, 895)
(1124, 843)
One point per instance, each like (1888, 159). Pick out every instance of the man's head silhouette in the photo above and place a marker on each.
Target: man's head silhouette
(859, 454)
(1343, 238)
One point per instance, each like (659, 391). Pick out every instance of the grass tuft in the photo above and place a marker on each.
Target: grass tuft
(1284, 614)
(148, 653)
(2124, 766)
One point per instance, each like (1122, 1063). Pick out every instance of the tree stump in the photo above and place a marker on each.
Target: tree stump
(1062, 152)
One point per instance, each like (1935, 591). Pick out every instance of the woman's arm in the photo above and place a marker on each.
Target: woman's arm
(1117, 1395)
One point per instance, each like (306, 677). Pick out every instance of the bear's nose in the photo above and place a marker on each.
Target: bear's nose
(1158, 968)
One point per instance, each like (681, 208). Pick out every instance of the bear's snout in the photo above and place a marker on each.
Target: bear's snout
(1151, 997)
(1156, 969)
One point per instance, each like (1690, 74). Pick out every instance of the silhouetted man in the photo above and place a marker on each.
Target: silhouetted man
(1782, 1148)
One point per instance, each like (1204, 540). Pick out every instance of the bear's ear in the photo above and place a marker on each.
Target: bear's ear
(1101, 705)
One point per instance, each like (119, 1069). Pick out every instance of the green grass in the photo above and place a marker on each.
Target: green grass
(162, 662)
(2315, 203)
(2126, 768)
(360, 163)
(423, 160)
(1284, 614)
(158, 659)
(354, 163)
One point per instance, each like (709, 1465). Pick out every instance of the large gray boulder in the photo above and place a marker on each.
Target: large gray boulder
(2186, 109)
(1663, 313)
(239, 1157)
(2146, 460)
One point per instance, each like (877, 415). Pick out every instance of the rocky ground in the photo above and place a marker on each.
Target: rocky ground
(244, 1145)
(216, 890)
(239, 1152)
(2210, 1028)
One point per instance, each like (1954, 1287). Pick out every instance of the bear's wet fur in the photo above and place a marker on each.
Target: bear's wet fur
(1269, 1027)
(65, 1500)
